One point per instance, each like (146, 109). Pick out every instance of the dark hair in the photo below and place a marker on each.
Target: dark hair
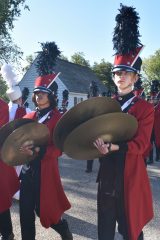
(51, 98)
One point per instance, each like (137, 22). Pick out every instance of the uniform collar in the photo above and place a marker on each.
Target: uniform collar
(41, 113)
(124, 98)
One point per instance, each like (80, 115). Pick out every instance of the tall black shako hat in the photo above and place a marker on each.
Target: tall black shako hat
(126, 41)
(45, 68)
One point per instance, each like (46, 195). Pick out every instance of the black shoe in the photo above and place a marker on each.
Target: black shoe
(11, 237)
(141, 237)
(66, 234)
(157, 160)
(149, 162)
(63, 229)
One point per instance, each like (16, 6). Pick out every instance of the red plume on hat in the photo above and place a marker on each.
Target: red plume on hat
(45, 67)
(126, 42)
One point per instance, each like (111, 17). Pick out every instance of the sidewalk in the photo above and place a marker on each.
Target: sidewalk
(81, 189)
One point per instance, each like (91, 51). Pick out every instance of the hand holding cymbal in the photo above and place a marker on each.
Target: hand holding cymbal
(105, 148)
(29, 149)
(22, 145)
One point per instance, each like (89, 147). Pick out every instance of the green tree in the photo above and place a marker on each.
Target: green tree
(9, 52)
(151, 66)
(29, 60)
(79, 58)
(3, 89)
(9, 11)
(63, 57)
(103, 72)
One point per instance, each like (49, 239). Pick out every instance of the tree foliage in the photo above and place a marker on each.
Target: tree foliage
(29, 60)
(63, 57)
(9, 11)
(103, 72)
(79, 58)
(9, 52)
(3, 89)
(151, 69)
(151, 66)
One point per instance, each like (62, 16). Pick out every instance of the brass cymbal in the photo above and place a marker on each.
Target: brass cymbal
(81, 113)
(10, 152)
(111, 127)
(9, 127)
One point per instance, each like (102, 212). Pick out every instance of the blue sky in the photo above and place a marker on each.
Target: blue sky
(83, 26)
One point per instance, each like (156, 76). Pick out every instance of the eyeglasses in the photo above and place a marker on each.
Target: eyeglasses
(124, 73)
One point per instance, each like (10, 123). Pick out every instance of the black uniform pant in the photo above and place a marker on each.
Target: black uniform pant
(30, 206)
(153, 142)
(5, 224)
(89, 165)
(111, 210)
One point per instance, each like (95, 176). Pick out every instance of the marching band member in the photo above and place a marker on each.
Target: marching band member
(16, 104)
(155, 137)
(64, 106)
(124, 194)
(9, 184)
(41, 189)
(93, 92)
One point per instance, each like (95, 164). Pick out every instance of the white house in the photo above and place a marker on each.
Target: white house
(74, 78)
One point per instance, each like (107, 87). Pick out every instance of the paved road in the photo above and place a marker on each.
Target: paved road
(81, 190)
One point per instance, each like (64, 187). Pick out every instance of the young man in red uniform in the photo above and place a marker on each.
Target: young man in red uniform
(124, 194)
(9, 184)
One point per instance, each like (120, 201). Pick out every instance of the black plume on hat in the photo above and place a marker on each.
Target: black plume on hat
(138, 84)
(65, 94)
(155, 86)
(25, 94)
(126, 33)
(47, 58)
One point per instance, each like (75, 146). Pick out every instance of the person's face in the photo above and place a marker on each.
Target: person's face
(42, 100)
(18, 101)
(125, 80)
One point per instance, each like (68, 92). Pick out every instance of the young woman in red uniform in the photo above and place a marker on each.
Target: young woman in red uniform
(124, 194)
(41, 189)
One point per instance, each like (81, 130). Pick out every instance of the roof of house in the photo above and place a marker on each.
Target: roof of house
(75, 77)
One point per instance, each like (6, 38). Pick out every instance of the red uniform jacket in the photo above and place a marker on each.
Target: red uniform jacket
(16, 112)
(138, 196)
(9, 183)
(53, 201)
(157, 125)
(20, 112)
